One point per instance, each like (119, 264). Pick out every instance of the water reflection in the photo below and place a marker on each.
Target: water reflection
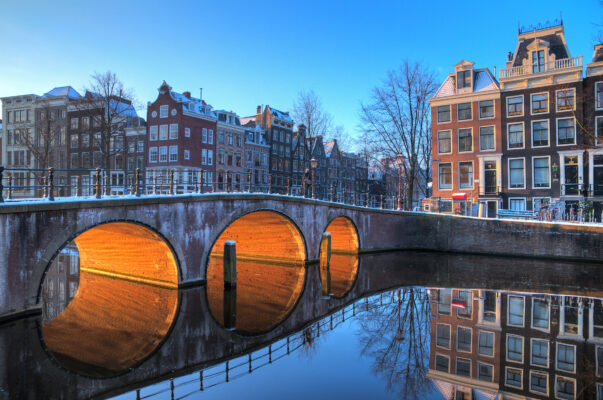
(338, 276)
(124, 305)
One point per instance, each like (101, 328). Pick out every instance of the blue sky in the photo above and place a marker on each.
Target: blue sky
(246, 53)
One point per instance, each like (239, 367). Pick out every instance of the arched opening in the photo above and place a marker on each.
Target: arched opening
(270, 272)
(339, 267)
(109, 298)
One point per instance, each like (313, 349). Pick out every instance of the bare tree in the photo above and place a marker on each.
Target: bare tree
(344, 141)
(307, 109)
(397, 118)
(109, 108)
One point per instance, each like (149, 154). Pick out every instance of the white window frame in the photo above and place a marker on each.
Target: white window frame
(170, 152)
(438, 141)
(480, 138)
(187, 154)
(523, 106)
(173, 134)
(210, 136)
(486, 364)
(187, 132)
(548, 352)
(564, 377)
(598, 372)
(204, 135)
(557, 357)
(532, 316)
(598, 141)
(595, 94)
(164, 129)
(167, 154)
(548, 132)
(449, 336)
(164, 111)
(156, 154)
(479, 332)
(532, 372)
(153, 133)
(443, 356)
(557, 101)
(548, 104)
(456, 360)
(459, 327)
(451, 176)
(203, 156)
(479, 117)
(457, 111)
(575, 132)
(543, 187)
(539, 198)
(449, 115)
(210, 157)
(458, 140)
(472, 178)
(509, 173)
(523, 344)
(523, 130)
(599, 389)
(525, 204)
(509, 310)
(520, 387)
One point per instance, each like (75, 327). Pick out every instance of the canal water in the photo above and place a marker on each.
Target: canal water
(400, 325)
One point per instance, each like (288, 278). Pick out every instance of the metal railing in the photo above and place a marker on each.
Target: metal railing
(246, 363)
(31, 184)
(488, 190)
(573, 189)
(556, 65)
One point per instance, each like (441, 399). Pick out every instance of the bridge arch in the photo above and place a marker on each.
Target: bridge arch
(125, 304)
(271, 255)
(344, 234)
(338, 274)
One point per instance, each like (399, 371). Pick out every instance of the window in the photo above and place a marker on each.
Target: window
(514, 106)
(599, 356)
(443, 114)
(599, 129)
(140, 146)
(486, 343)
(445, 176)
(465, 140)
(539, 353)
(466, 176)
(210, 157)
(513, 377)
(163, 151)
(540, 314)
(539, 382)
(566, 132)
(484, 372)
(467, 297)
(163, 111)
(565, 99)
(599, 95)
(565, 388)
(444, 300)
(443, 335)
(463, 111)
(74, 123)
(187, 132)
(463, 339)
(221, 137)
(442, 363)
(463, 79)
(540, 103)
(229, 135)
(538, 61)
(514, 348)
(515, 136)
(163, 132)
(444, 142)
(210, 136)
(187, 154)
(486, 138)
(203, 156)
(204, 135)
(74, 160)
(463, 367)
(173, 131)
(566, 357)
(516, 310)
(173, 153)
(486, 109)
(75, 141)
(516, 173)
(517, 204)
(540, 133)
(131, 147)
(542, 178)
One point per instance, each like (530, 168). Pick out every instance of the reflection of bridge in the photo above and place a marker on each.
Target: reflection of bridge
(31, 234)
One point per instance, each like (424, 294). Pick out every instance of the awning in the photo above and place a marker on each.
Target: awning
(459, 196)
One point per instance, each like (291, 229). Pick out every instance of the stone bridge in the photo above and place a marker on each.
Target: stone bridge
(123, 231)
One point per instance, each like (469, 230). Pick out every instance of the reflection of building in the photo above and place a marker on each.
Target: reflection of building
(61, 282)
(516, 345)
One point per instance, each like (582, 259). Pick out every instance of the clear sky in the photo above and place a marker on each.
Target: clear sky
(246, 53)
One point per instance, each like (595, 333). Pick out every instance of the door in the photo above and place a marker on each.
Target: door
(571, 175)
(598, 176)
(490, 178)
(492, 206)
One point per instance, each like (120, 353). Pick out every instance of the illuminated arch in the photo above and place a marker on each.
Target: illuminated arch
(270, 271)
(125, 303)
(339, 276)
(344, 237)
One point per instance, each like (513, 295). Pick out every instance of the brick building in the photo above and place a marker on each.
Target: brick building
(593, 117)
(181, 137)
(230, 148)
(257, 153)
(466, 137)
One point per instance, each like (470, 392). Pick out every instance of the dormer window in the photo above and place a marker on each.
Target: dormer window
(537, 61)
(463, 79)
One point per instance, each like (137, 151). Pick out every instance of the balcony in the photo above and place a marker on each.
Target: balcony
(557, 65)
(573, 189)
(488, 191)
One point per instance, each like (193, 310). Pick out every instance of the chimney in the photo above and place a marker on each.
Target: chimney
(259, 109)
(301, 129)
(187, 94)
(200, 93)
(510, 56)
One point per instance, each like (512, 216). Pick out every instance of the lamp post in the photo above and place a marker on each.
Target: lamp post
(313, 165)
(399, 162)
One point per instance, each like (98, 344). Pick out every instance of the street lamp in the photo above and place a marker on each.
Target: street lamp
(399, 162)
(313, 165)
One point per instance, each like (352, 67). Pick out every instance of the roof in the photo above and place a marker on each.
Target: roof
(557, 47)
(59, 91)
(329, 147)
(483, 81)
(247, 120)
(281, 115)
(598, 53)
(189, 104)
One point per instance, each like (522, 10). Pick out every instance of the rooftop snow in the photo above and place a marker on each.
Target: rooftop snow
(63, 91)
(483, 81)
